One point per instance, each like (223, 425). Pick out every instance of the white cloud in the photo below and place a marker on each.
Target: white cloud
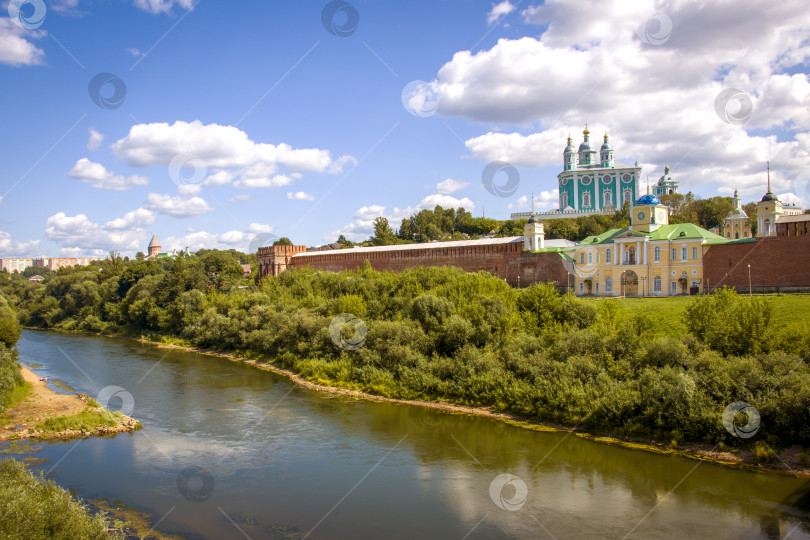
(95, 140)
(189, 189)
(13, 249)
(177, 206)
(97, 176)
(362, 225)
(162, 6)
(227, 152)
(242, 197)
(258, 228)
(547, 200)
(219, 178)
(500, 10)
(300, 196)
(134, 51)
(450, 186)
(656, 102)
(15, 49)
(78, 234)
(258, 180)
(132, 220)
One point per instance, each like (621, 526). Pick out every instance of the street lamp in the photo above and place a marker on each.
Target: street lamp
(749, 281)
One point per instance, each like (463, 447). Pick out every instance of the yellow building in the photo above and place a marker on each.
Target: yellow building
(735, 225)
(769, 209)
(651, 257)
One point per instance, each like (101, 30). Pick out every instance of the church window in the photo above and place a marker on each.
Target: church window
(657, 253)
(657, 283)
(564, 200)
(607, 197)
(586, 199)
(564, 181)
(627, 195)
(607, 256)
(586, 180)
(627, 178)
(608, 284)
(606, 179)
(694, 253)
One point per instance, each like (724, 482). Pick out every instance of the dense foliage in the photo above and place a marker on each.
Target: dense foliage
(440, 333)
(36, 508)
(458, 224)
(10, 376)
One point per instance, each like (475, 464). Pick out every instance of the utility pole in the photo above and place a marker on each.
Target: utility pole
(749, 281)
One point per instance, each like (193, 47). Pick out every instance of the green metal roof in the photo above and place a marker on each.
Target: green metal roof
(677, 231)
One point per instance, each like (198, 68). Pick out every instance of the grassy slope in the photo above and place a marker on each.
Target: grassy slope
(667, 313)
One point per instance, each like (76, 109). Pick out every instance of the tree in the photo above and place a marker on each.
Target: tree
(140, 256)
(383, 234)
(283, 241)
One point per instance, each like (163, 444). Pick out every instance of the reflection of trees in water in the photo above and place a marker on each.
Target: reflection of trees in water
(769, 499)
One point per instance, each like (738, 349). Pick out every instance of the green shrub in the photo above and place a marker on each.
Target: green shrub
(34, 508)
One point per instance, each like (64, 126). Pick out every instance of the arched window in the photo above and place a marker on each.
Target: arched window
(586, 199)
(608, 256)
(608, 284)
(627, 195)
(607, 198)
(657, 282)
(564, 200)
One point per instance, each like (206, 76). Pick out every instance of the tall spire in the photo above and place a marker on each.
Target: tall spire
(769, 175)
(532, 202)
(586, 132)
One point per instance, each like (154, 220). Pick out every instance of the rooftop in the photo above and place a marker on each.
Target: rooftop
(430, 245)
(678, 231)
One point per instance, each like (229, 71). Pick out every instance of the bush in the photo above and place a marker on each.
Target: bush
(34, 508)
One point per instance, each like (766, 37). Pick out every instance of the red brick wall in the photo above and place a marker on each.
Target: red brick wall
(777, 263)
(504, 260)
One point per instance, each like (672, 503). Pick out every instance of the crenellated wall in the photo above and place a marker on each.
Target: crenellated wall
(506, 260)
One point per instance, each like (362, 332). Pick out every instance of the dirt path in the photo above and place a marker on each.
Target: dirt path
(18, 422)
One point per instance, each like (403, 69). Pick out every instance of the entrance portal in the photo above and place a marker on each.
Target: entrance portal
(629, 283)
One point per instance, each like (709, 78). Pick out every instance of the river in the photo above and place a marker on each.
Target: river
(230, 451)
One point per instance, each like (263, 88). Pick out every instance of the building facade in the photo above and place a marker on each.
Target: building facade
(651, 257)
(15, 264)
(735, 224)
(666, 185)
(770, 209)
(591, 182)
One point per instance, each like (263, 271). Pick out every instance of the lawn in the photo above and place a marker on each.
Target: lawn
(667, 312)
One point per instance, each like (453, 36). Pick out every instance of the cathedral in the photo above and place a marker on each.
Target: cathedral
(594, 182)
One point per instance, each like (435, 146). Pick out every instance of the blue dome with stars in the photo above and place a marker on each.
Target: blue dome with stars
(648, 199)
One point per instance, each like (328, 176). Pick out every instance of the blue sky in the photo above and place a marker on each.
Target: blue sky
(286, 128)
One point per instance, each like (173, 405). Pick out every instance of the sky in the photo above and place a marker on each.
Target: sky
(218, 124)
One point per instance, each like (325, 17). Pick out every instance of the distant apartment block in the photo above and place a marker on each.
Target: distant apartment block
(15, 265)
(12, 265)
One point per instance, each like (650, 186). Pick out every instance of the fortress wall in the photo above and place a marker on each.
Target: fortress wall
(507, 261)
(778, 263)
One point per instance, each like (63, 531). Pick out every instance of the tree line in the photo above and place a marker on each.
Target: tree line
(444, 224)
(469, 338)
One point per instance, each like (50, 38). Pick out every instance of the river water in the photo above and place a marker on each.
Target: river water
(229, 451)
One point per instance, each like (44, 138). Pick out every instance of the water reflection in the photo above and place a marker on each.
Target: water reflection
(284, 462)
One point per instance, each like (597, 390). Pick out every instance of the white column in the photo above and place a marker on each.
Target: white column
(575, 203)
